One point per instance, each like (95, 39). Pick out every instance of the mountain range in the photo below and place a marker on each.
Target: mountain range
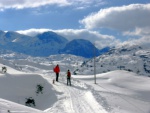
(135, 58)
(46, 44)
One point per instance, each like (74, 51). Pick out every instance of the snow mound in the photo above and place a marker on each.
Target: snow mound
(18, 87)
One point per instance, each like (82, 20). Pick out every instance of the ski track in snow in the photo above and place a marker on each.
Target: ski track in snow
(77, 98)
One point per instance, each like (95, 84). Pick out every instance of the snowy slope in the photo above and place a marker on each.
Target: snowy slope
(16, 86)
(120, 91)
(115, 92)
(20, 85)
(27, 63)
(131, 58)
(74, 99)
(11, 107)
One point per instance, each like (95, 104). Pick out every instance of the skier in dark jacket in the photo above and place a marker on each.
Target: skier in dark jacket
(57, 70)
(68, 77)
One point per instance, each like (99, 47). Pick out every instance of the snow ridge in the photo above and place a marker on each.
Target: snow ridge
(130, 58)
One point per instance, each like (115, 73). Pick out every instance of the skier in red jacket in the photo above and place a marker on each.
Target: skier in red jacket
(57, 70)
(68, 77)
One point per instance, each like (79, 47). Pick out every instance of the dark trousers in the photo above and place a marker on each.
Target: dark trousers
(69, 81)
(57, 75)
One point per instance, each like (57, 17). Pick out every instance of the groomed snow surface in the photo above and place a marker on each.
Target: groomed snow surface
(114, 92)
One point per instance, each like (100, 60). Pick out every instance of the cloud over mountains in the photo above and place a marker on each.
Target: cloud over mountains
(124, 18)
(100, 40)
(131, 20)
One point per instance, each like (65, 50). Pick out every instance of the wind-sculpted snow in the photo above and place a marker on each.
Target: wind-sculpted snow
(17, 86)
(12, 107)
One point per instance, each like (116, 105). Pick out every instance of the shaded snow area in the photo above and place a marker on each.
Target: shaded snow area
(114, 92)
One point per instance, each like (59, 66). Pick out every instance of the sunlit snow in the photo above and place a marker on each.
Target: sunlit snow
(114, 92)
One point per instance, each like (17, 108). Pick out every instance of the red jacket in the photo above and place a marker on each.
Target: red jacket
(56, 69)
(68, 74)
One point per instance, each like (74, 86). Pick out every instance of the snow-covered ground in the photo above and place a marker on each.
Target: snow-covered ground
(115, 92)
(133, 58)
(120, 91)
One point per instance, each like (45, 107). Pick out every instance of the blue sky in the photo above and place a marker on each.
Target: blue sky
(104, 22)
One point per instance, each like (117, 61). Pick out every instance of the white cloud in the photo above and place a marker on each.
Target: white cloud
(143, 41)
(138, 32)
(83, 4)
(20, 4)
(100, 40)
(32, 32)
(124, 18)
(132, 20)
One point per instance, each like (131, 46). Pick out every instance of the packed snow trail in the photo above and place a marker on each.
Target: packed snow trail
(73, 99)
